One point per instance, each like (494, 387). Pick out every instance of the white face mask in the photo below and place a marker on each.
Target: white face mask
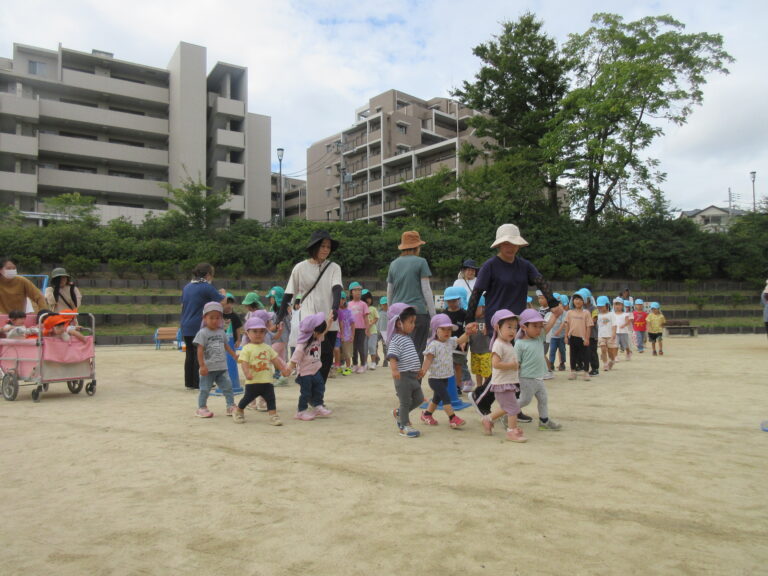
(9, 273)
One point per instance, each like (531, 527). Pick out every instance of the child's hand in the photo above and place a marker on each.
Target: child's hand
(396, 374)
(203, 370)
(285, 371)
(421, 374)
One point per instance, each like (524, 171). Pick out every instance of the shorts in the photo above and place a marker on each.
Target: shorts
(654, 336)
(604, 341)
(346, 350)
(440, 390)
(481, 364)
(507, 400)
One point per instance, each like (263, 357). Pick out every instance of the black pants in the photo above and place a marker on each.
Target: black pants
(420, 334)
(359, 347)
(485, 404)
(191, 367)
(253, 391)
(594, 358)
(326, 353)
(579, 354)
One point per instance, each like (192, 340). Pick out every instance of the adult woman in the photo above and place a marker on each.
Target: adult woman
(62, 294)
(15, 289)
(467, 278)
(194, 296)
(318, 280)
(408, 283)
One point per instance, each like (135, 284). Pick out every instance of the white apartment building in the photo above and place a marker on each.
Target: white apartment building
(83, 122)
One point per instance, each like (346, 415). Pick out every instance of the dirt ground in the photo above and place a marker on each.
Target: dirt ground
(660, 469)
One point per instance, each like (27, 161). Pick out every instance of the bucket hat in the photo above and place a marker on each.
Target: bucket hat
(252, 298)
(508, 233)
(213, 307)
(277, 293)
(469, 263)
(530, 315)
(440, 321)
(497, 317)
(603, 301)
(320, 235)
(410, 239)
(355, 286)
(59, 272)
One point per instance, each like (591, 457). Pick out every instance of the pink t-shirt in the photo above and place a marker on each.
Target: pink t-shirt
(307, 360)
(359, 311)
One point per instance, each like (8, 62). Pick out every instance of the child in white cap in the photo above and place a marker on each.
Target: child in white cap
(212, 348)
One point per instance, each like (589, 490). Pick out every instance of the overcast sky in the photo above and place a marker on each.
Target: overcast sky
(311, 63)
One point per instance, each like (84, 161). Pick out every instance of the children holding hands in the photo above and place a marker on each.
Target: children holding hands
(212, 347)
(307, 362)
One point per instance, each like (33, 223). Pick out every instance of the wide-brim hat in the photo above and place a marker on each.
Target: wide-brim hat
(409, 240)
(508, 233)
(320, 235)
(58, 273)
(469, 263)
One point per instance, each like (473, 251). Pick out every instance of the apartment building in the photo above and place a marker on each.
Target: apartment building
(358, 174)
(295, 194)
(118, 131)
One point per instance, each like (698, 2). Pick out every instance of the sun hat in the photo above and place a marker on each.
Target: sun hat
(655, 305)
(230, 297)
(564, 300)
(320, 235)
(393, 315)
(307, 326)
(383, 300)
(251, 298)
(603, 301)
(454, 293)
(627, 304)
(440, 321)
(343, 294)
(618, 299)
(508, 233)
(556, 295)
(469, 263)
(539, 293)
(497, 317)
(410, 239)
(355, 286)
(212, 307)
(530, 315)
(262, 315)
(639, 301)
(366, 291)
(255, 323)
(58, 273)
(578, 295)
(277, 293)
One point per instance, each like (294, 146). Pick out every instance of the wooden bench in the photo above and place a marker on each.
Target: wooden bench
(681, 328)
(168, 335)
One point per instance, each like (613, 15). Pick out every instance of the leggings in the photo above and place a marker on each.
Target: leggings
(191, 367)
(253, 391)
(360, 347)
(594, 358)
(408, 390)
(579, 354)
(326, 353)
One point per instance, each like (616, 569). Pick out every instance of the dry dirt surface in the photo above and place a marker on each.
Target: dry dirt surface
(660, 468)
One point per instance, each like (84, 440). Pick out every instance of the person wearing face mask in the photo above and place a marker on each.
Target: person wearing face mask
(15, 289)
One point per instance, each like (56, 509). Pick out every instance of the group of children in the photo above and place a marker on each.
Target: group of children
(56, 325)
(360, 330)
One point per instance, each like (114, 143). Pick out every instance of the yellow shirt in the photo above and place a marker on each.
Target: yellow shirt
(14, 294)
(655, 322)
(259, 359)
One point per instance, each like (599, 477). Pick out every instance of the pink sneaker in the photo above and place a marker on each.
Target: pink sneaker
(487, 425)
(322, 412)
(428, 419)
(457, 422)
(516, 435)
(360, 370)
(204, 412)
(305, 415)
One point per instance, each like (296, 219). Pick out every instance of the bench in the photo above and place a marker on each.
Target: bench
(168, 335)
(681, 328)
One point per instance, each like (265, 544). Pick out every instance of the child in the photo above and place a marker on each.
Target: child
(578, 324)
(343, 361)
(405, 365)
(359, 310)
(438, 361)
(458, 316)
(255, 359)
(61, 326)
(212, 347)
(280, 338)
(606, 332)
(382, 327)
(15, 328)
(532, 365)
(639, 324)
(504, 377)
(306, 361)
(233, 325)
(557, 336)
(479, 345)
(373, 331)
(656, 322)
(623, 325)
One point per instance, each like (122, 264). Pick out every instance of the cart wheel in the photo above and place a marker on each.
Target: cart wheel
(90, 388)
(45, 386)
(10, 386)
(36, 394)
(75, 386)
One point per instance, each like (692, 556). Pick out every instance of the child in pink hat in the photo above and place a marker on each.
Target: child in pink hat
(308, 365)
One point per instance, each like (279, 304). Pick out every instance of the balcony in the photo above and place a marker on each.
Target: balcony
(84, 182)
(135, 215)
(229, 171)
(24, 108)
(18, 183)
(25, 146)
(235, 204)
(398, 177)
(95, 149)
(228, 107)
(230, 139)
(103, 117)
(114, 87)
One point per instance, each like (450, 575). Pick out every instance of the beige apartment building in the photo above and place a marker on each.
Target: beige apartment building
(118, 131)
(358, 174)
(295, 193)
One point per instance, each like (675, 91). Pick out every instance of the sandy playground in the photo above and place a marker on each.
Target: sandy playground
(660, 469)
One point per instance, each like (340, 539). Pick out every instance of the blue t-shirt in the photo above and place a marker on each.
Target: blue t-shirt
(194, 296)
(505, 285)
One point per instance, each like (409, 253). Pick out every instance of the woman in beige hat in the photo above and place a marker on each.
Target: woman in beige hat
(62, 294)
(408, 283)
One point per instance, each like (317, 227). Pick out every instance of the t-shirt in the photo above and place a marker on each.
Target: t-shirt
(401, 348)
(579, 323)
(214, 350)
(405, 274)
(359, 310)
(622, 326)
(295, 323)
(194, 296)
(505, 284)
(373, 320)
(307, 359)
(655, 322)
(232, 323)
(302, 278)
(530, 355)
(506, 352)
(345, 325)
(442, 363)
(259, 357)
(457, 317)
(605, 325)
(556, 326)
(638, 317)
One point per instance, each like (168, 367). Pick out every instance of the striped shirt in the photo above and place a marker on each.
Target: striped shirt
(401, 348)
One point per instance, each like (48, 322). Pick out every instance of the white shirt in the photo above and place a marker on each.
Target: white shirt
(320, 299)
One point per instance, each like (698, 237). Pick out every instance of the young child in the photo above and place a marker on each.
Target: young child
(359, 310)
(15, 328)
(212, 348)
(532, 365)
(62, 326)
(623, 319)
(606, 332)
(282, 330)
(405, 365)
(256, 359)
(479, 345)
(345, 339)
(438, 362)
(453, 296)
(382, 327)
(578, 324)
(504, 377)
(639, 324)
(656, 322)
(373, 330)
(306, 361)
(557, 336)
(233, 325)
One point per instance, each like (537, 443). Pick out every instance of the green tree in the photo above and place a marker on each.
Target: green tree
(425, 198)
(629, 78)
(201, 205)
(519, 88)
(73, 207)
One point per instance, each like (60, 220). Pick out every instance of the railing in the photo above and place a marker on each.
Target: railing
(391, 179)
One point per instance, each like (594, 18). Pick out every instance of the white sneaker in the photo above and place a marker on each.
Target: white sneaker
(371, 366)
(467, 388)
(548, 376)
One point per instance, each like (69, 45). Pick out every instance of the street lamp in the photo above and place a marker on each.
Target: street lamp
(280, 152)
(754, 204)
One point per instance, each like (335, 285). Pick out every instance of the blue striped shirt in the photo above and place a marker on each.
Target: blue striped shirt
(402, 348)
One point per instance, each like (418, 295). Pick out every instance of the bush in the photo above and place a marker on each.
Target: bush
(235, 270)
(698, 301)
(119, 267)
(568, 271)
(165, 270)
(79, 265)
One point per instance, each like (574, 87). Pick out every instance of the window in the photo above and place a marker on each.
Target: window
(126, 142)
(77, 135)
(73, 168)
(37, 68)
(78, 102)
(402, 128)
(327, 192)
(402, 149)
(327, 170)
(123, 174)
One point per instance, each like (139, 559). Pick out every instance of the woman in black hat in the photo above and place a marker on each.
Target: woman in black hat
(318, 280)
(467, 276)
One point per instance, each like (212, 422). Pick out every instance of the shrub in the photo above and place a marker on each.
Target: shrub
(119, 267)
(165, 270)
(79, 265)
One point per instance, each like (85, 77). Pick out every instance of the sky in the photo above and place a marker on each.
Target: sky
(312, 63)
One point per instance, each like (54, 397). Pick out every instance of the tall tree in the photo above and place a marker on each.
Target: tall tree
(424, 199)
(519, 88)
(201, 206)
(629, 79)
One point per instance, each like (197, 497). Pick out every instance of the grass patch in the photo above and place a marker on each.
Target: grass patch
(748, 322)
